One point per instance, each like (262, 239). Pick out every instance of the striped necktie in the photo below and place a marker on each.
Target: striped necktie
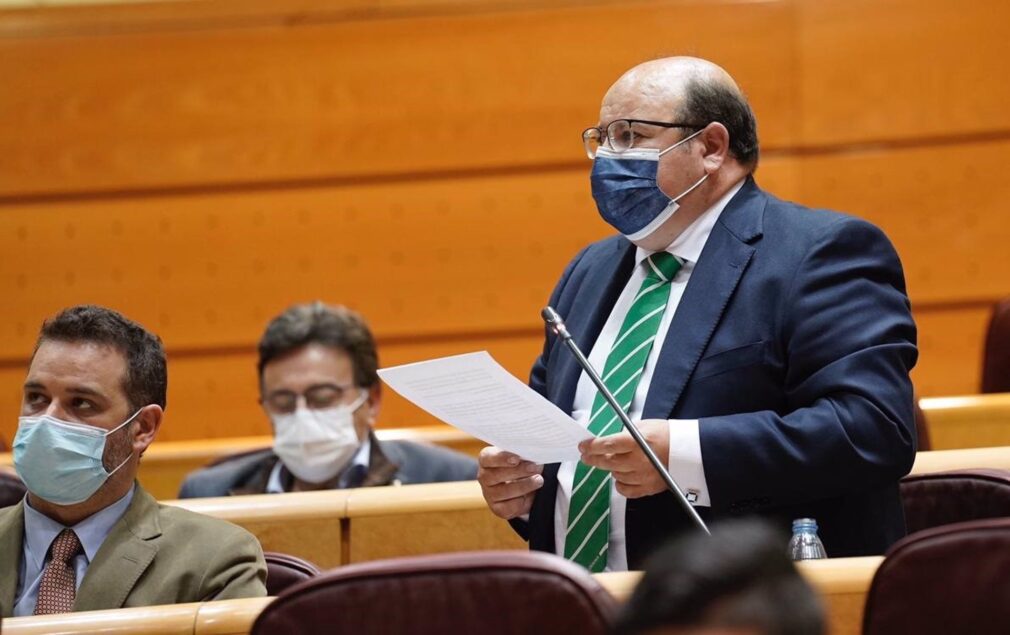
(588, 530)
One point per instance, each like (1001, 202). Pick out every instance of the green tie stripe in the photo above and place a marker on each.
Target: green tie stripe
(588, 531)
(638, 323)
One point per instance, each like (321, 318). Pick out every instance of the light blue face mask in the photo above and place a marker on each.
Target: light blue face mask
(61, 461)
(625, 190)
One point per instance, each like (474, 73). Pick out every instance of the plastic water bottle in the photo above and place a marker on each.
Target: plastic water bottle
(805, 545)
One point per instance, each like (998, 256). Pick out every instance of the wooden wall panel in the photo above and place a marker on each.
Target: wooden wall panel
(901, 69)
(11, 379)
(310, 98)
(944, 207)
(417, 258)
(950, 350)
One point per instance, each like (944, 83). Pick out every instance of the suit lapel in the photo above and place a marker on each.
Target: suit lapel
(596, 296)
(123, 557)
(713, 281)
(12, 531)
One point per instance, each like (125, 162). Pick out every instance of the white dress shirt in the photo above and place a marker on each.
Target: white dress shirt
(684, 461)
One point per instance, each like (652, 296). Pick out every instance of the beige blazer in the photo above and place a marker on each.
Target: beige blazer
(155, 554)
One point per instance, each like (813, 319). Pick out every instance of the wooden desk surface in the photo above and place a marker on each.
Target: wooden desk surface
(843, 582)
(335, 527)
(943, 460)
(968, 421)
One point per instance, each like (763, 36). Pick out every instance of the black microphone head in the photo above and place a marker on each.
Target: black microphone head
(550, 315)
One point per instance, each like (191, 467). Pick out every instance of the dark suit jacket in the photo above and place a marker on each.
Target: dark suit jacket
(154, 554)
(792, 345)
(389, 461)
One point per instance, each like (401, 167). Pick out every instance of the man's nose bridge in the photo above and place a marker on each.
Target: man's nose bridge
(56, 410)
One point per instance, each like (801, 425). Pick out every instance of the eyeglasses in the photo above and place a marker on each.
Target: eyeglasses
(316, 397)
(621, 134)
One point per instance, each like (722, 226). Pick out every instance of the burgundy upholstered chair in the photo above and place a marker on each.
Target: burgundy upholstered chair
(284, 571)
(996, 355)
(486, 592)
(942, 498)
(12, 490)
(950, 579)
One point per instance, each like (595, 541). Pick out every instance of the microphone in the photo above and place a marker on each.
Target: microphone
(554, 321)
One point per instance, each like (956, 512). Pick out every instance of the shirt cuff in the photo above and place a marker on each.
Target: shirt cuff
(685, 461)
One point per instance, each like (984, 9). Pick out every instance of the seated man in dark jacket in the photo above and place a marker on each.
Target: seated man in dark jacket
(318, 385)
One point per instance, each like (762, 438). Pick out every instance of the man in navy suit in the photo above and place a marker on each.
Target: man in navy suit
(777, 379)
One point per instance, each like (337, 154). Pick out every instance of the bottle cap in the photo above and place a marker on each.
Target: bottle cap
(804, 524)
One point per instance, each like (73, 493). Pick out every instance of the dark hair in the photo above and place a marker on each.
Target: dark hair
(738, 577)
(334, 326)
(706, 101)
(146, 378)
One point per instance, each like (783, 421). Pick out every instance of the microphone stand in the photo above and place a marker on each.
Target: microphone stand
(554, 321)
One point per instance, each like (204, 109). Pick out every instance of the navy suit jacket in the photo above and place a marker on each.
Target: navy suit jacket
(792, 345)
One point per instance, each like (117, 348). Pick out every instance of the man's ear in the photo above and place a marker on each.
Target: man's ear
(148, 423)
(715, 140)
(374, 401)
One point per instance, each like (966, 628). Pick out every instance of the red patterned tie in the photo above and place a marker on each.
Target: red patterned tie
(59, 578)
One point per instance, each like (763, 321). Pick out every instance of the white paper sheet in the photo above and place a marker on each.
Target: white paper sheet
(475, 394)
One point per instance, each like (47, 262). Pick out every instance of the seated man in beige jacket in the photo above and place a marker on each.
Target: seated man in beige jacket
(87, 536)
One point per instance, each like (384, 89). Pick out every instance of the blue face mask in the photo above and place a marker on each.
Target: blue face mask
(61, 461)
(625, 190)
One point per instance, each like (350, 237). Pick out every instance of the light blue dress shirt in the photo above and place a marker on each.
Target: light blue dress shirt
(41, 531)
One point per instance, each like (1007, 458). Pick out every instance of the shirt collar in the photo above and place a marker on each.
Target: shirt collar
(41, 530)
(689, 244)
(360, 461)
(361, 458)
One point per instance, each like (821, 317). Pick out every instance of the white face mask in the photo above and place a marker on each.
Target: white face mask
(315, 445)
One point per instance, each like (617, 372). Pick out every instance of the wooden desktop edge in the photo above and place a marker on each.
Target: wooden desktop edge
(832, 576)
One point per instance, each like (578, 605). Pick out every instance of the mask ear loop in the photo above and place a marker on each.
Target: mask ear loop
(696, 183)
(360, 401)
(119, 466)
(132, 417)
(690, 189)
(684, 140)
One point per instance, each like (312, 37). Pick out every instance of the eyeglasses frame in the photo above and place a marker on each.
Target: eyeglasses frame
(605, 132)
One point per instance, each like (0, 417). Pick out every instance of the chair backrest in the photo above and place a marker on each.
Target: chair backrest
(950, 579)
(12, 490)
(487, 592)
(996, 356)
(942, 498)
(285, 570)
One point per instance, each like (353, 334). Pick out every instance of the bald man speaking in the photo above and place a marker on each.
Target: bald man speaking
(763, 348)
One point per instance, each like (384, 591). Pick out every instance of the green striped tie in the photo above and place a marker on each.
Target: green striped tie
(588, 530)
